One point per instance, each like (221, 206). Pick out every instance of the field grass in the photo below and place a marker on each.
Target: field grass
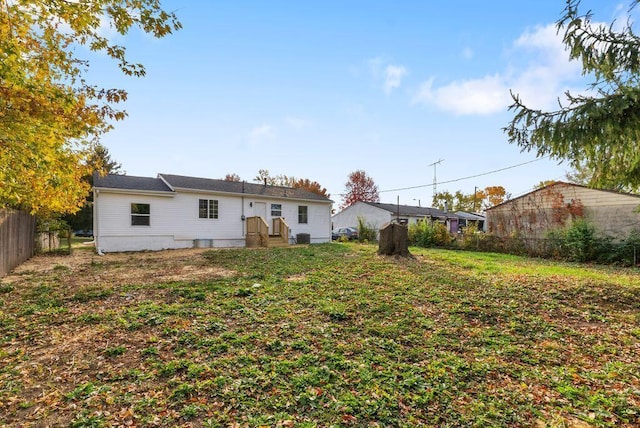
(319, 336)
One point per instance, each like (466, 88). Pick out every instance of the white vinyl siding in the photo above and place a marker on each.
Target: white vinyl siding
(176, 221)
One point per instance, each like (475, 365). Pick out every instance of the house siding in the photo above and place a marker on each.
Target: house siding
(374, 216)
(174, 220)
(378, 217)
(553, 207)
(318, 224)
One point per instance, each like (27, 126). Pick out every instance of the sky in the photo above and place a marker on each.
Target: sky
(318, 90)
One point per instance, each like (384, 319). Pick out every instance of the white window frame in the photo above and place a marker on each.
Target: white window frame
(140, 216)
(211, 209)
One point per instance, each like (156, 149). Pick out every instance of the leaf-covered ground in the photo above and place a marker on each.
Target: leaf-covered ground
(318, 336)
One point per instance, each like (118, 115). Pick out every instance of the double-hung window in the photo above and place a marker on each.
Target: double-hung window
(303, 214)
(208, 208)
(276, 210)
(140, 214)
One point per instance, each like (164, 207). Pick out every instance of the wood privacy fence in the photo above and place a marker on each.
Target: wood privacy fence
(17, 243)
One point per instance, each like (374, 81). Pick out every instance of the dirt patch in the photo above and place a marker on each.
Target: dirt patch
(85, 267)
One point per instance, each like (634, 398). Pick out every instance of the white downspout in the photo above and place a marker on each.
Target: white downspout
(96, 223)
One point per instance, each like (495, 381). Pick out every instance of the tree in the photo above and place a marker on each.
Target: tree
(442, 200)
(232, 177)
(98, 161)
(544, 184)
(266, 178)
(480, 200)
(311, 186)
(584, 175)
(359, 187)
(599, 131)
(50, 115)
(290, 181)
(494, 195)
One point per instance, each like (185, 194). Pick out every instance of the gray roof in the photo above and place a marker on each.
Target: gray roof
(470, 216)
(411, 211)
(130, 182)
(205, 184)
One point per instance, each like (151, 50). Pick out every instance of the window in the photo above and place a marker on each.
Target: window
(303, 216)
(140, 214)
(276, 210)
(208, 208)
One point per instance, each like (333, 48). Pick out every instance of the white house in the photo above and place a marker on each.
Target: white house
(173, 211)
(378, 214)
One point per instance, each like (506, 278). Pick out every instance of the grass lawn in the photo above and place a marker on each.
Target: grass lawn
(318, 336)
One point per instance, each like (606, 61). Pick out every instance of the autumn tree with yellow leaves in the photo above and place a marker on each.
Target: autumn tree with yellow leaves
(50, 115)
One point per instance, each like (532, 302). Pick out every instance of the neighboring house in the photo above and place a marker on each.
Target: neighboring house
(467, 218)
(173, 211)
(555, 206)
(378, 214)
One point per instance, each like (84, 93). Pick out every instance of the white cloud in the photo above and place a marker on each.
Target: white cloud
(466, 53)
(539, 71)
(393, 75)
(479, 96)
(390, 74)
(262, 133)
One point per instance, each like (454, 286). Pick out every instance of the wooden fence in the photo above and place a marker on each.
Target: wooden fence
(17, 243)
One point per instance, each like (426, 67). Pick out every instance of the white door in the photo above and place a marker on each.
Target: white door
(260, 209)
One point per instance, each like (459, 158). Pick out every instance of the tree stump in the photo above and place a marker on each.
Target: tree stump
(394, 240)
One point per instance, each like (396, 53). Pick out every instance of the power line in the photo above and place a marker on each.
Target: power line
(464, 178)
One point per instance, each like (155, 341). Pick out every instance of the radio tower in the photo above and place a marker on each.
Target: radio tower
(435, 182)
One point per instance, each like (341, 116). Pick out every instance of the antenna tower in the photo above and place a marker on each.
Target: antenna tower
(435, 181)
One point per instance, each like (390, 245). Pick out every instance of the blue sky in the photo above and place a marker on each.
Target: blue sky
(320, 89)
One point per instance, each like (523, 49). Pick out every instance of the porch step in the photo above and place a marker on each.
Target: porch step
(276, 241)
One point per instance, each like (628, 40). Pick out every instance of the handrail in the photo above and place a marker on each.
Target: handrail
(284, 230)
(257, 225)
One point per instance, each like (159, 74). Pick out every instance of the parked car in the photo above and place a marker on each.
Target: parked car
(84, 233)
(351, 233)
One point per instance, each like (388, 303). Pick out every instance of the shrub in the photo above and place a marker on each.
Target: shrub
(420, 234)
(366, 231)
(581, 241)
(624, 251)
(578, 242)
(428, 234)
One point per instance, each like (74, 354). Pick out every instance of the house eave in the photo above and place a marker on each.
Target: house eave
(167, 194)
(251, 195)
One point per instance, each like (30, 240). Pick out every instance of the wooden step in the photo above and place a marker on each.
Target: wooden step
(277, 241)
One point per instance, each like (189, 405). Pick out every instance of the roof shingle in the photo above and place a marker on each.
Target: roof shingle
(205, 184)
(130, 182)
(408, 210)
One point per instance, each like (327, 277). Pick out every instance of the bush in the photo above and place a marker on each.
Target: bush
(624, 251)
(580, 241)
(427, 234)
(366, 231)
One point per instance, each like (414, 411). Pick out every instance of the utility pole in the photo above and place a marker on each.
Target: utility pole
(434, 178)
(475, 192)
